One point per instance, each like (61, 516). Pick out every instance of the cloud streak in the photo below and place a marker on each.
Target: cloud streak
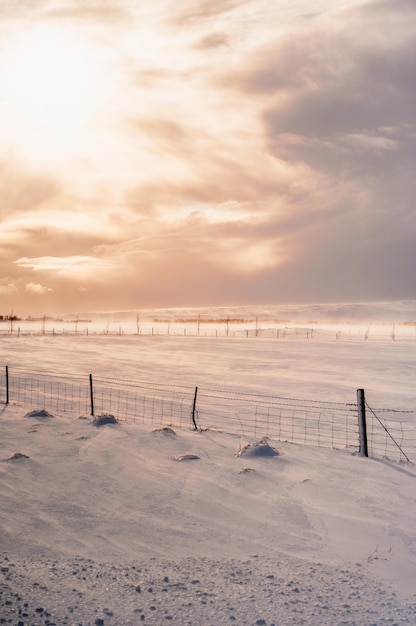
(224, 152)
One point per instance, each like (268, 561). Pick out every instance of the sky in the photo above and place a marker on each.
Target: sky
(207, 152)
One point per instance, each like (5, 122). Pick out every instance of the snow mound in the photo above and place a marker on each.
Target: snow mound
(42, 414)
(260, 448)
(186, 457)
(17, 456)
(166, 430)
(103, 420)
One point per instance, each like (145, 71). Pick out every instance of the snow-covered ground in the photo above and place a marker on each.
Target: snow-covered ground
(126, 524)
(116, 523)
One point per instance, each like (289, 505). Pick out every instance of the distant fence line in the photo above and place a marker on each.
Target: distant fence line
(388, 433)
(267, 329)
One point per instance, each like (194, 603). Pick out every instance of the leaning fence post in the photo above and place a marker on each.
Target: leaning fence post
(194, 409)
(362, 425)
(91, 396)
(7, 384)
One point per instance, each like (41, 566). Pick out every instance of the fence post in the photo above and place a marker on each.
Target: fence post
(194, 409)
(7, 384)
(91, 396)
(362, 424)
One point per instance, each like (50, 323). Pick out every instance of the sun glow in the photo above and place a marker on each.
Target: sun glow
(53, 83)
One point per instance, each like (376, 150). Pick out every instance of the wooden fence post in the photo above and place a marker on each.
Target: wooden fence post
(91, 396)
(194, 409)
(7, 384)
(362, 424)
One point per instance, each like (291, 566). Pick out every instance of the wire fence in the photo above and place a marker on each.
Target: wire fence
(325, 424)
(294, 420)
(201, 326)
(148, 403)
(51, 392)
(391, 434)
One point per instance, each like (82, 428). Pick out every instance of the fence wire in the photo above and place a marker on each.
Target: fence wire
(294, 420)
(147, 403)
(51, 392)
(391, 434)
(251, 415)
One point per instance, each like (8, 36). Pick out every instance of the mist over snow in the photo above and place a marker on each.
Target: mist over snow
(393, 312)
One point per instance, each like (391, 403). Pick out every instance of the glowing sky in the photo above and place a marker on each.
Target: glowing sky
(203, 152)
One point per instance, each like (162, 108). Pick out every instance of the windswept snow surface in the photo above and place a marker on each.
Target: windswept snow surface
(108, 526)
(124, 524)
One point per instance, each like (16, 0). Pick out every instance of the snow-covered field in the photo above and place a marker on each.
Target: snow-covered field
(124, 524)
